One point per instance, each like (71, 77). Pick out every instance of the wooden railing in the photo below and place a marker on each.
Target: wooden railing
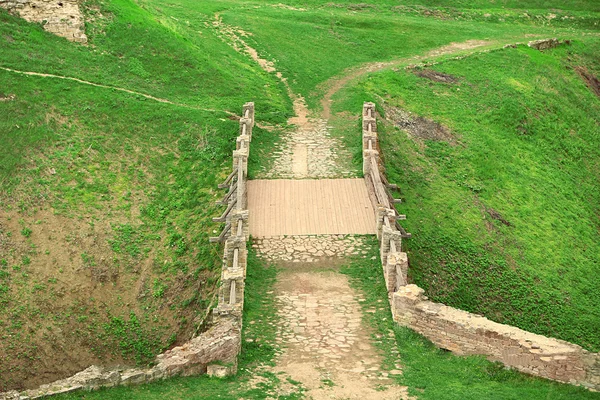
(389, 231)
(235, 217)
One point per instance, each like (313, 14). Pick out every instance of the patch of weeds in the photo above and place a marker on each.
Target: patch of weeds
(126, 239)
(88, 260)
(26, 232)
(132, 339)
(327, 382)
(178, 244)
(159, 288)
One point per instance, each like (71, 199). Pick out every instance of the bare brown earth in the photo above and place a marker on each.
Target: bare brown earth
(436, 76)
(590, 80)
(65, 286)
(418, 127)
(67, 296)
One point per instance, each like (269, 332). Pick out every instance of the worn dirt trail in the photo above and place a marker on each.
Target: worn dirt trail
(120, 89)
(335, 84)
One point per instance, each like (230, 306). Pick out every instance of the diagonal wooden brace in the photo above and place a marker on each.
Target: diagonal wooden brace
(223, 216)
(226, 182)
(222, 236)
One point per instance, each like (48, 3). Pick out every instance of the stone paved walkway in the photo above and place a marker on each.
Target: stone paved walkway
(327, 348)
(309, 249)
(323, 341)
(309, 150)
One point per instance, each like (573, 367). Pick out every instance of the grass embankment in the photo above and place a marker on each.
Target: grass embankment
(258, 349)
(323, 39)
(107, 197)
(503, 206)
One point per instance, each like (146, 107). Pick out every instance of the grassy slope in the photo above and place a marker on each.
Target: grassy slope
(108, 196)
(314, 43)
(528, 138)
(321, 42)
(550, 5)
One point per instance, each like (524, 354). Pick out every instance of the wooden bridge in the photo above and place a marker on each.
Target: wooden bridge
(281, 207)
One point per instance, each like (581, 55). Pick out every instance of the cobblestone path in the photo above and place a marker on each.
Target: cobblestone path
(323, 341)
(309, 150)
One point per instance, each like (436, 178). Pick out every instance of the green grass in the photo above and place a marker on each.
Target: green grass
(323, 39)
(322, 43)
(526, 152)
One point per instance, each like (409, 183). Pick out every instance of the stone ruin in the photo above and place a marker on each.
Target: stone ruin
(61, 17)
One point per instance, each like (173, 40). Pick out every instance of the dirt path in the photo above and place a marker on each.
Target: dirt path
(308, 150)
(335, 84)
(147, 96)
(324, 344)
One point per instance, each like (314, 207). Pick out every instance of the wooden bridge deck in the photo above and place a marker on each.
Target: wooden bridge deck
(309, 207)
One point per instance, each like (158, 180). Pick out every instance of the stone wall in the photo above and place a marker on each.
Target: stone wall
(61, 17)
(459, 331)
(214, 351)
(220, 342)
(464, 333)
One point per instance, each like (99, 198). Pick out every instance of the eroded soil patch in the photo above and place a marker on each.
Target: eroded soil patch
(590, 80)
(418, 127)
(436, 76)
(66, 303)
